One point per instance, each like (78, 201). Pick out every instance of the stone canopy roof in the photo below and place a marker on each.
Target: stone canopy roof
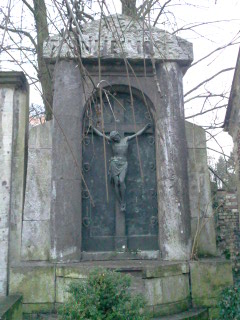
(122, 37)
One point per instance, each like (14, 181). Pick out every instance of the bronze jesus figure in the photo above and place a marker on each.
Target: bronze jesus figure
(118, 163)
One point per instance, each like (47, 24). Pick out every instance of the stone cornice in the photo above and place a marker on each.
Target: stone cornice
(13, 78)
(121, 37)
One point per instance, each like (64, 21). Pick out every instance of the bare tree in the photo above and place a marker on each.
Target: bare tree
(38, 11)
(129, 7)
(23, 39)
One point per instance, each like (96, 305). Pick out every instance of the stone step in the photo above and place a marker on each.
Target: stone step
(193, 314)
(11, 307)
(40, 316)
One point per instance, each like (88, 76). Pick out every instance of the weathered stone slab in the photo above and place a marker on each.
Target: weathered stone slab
(200, 191)
(207, 241)
(172, 175)
(65, 166)
(167, 289)
(13, 128)
(66, 199)
(41, 136)
(11, 308)
(196, 137)
(18, 168)
(35, 240)
(38, 189)
(31, 308)
(6, 132)
(77, 272)
(36, 284)
(135, 43)
(62, 285)
(208, 279)
(166, 270)
(193, 314)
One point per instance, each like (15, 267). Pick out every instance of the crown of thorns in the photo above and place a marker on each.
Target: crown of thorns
(113, 134)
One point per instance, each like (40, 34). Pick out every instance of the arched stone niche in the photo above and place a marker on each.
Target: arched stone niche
(164, 90)
(104, 227)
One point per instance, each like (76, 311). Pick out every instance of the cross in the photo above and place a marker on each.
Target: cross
(123, 128)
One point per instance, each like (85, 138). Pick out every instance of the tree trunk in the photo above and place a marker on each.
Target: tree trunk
(40, 15)
(129, 7)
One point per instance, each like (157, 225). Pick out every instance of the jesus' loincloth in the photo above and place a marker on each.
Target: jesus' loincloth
(117, 166)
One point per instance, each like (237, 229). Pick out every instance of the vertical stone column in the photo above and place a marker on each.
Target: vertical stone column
(200, 191)
(171, 157)
(13, 133)
(67, 163)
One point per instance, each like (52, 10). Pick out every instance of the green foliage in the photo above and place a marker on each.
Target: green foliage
(104, 295)
(229, 303)
(225, 170)
(227, 254)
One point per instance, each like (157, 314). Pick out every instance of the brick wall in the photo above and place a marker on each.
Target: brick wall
(227, 225)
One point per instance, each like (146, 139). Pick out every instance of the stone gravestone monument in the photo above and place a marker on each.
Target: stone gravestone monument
(124, 215)
(109, 177)
(114, 96)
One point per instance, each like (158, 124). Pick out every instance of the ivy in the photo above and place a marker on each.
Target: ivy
(229, 303)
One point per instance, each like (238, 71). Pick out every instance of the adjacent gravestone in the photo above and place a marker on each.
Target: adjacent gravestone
(14, 93)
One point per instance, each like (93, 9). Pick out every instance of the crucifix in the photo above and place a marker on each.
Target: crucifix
(118, 166)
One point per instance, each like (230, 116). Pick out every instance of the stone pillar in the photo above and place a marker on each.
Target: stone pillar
(200, 191)
(66, 163)
(36, 216)
(171, 157)
(13, 133)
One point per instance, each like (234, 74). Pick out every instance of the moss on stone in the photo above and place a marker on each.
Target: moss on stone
(73, 272)
(170, 308)
(36, 284)
(208, 278)
(31, 308)
(62, 285)
(11, 308)
(213, 313)
(166, 270)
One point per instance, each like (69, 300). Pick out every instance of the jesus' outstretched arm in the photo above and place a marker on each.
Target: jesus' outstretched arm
(139, 132)
(100, 134)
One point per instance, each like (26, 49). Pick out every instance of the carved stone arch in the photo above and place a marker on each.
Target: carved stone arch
(104, 228)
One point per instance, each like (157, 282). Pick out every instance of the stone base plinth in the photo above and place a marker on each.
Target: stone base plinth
(11, 308)
(208, 278)
(165, 285)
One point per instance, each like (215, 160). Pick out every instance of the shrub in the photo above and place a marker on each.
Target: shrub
(104, 295)
(229, 303)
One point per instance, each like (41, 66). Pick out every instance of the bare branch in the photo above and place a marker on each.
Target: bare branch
(27, 34)
(214, 172)
(192, 25)
(158, 16)
(149, 4)
(7, 18)
(212, 136)
(204, 96)
(28, 5)
(206, 111)
(207, 80)
(214, 51)
(225, 155)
